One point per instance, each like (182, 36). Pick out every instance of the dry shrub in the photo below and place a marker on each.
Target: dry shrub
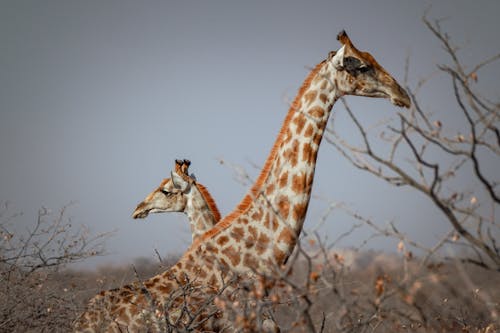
(36, 296)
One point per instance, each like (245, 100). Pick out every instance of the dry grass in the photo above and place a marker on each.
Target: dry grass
(395, 296)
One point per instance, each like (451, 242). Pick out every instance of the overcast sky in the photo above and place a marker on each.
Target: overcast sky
(97, 99)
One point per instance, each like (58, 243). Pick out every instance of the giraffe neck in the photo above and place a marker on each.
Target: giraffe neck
(283, 189)
(201, 210)
(266, 224)
(285, 182)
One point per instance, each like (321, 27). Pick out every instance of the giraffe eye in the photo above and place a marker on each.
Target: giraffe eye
(364, 69)
(352, 64)
(167, 193)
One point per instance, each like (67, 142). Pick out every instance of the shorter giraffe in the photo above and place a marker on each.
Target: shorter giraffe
(182, 193)
(171, 196)
(179, 193)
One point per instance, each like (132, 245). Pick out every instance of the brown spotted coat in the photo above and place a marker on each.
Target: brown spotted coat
(262, 231)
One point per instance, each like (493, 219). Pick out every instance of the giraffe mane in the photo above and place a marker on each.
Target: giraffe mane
(256, 188)
(210, 201)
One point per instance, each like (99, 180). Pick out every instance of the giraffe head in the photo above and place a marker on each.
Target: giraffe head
(171, 195)
(358, 73)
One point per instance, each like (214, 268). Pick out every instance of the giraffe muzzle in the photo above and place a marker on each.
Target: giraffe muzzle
(401, 103)
(140, 212)
(401, 98)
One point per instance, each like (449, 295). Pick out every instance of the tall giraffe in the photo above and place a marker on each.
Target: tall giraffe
(182, 193)
(263, 229)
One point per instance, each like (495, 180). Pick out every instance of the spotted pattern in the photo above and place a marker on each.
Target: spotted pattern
(262, 231)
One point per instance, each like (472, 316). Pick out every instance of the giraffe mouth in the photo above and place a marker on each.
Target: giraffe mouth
(401, 103)
(140, 214)
(400, 98)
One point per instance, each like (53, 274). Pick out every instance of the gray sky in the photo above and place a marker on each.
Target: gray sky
(97, 99)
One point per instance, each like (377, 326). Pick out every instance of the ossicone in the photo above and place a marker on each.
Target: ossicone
(181, 162)
(343, 38)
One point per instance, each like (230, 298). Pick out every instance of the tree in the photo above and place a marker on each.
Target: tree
(33, 292)
(433, 155)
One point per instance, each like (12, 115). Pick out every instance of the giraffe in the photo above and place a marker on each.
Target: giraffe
(195, 201)
(261, 232)
(182, 193)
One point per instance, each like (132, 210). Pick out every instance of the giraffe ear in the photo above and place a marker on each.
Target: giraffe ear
(338, 59)
(179, 182)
